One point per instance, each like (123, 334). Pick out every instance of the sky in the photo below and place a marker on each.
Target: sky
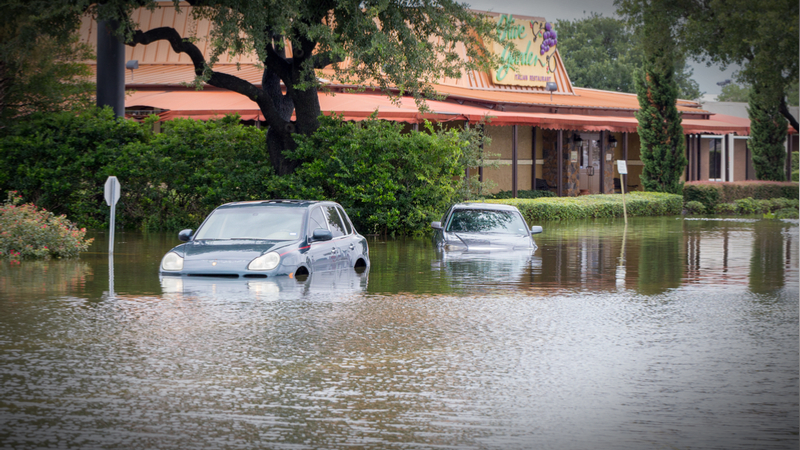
(706, 77)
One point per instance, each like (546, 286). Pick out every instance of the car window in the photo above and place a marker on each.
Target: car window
(316, 220)
(485, 221)
(346, 220)
(253, 222)
(335, 222)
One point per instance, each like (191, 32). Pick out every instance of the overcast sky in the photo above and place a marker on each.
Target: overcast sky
(706, 77)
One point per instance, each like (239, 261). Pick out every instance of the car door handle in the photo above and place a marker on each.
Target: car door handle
(352, 246)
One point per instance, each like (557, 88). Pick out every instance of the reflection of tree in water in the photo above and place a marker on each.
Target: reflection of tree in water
(661, 257)
(767, 260)
(32, 279)
(473, 221)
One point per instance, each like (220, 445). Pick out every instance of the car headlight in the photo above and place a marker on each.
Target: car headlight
(265, 262)
(172, 262)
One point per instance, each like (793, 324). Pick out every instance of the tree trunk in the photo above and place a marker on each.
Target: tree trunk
(785, 111)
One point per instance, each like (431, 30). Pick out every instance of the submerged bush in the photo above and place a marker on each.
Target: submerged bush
(30, 232)
(695, 207)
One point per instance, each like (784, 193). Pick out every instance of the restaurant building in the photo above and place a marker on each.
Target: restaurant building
(545, 132)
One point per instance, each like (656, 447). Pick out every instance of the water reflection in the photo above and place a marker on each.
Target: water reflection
(324, 283)
(604, 337)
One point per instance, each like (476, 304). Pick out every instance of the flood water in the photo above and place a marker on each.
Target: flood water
(669, 333)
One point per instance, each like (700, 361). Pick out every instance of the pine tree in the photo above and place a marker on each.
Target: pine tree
(767, 133)
(660, 130)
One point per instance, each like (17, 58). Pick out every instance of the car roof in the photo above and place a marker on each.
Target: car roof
(485, 206)
(278, 202)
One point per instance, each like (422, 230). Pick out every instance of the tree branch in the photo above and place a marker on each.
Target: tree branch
(217, 79)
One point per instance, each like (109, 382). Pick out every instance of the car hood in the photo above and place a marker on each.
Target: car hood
(477, 242)
(227, 249)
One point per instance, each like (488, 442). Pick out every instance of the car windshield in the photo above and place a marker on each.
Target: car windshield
(486, 221)
(253, 222)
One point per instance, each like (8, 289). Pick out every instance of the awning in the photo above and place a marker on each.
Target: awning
(207, 104)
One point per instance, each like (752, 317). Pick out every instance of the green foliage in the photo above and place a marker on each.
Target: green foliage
(603, 53)
(766, 207)
(596, 206)
(695, 207)
(30, 232)
(787, 213)
(759, 36)
(176, 178)
(169, 180)
(725, 209)
(660, 131)
(734, 93)
(390, 182)
(538, 193)
(767, 133)
(41, 59)
(752, 206)
(59, 160)
(711, 193)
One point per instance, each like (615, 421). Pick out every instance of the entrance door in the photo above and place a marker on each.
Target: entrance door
(589, 168)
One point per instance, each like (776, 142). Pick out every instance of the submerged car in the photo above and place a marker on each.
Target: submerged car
(261, 239)
(481, 227)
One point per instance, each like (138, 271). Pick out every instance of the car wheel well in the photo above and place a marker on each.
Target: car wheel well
(301, 271)
(361, 265)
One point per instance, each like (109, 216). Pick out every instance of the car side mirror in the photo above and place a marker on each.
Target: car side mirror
(185, 235)
(321, 234)
(436, 225)
(536, 229)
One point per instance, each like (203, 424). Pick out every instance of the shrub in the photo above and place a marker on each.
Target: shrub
(30, 232)
(787, 213)
(781, 203)
(390, 182)
(538, 193)
(711, 193)
(596, 206)
(726, 209)
(180, 175)
(695, 207)
(752, 206)
(58, 160)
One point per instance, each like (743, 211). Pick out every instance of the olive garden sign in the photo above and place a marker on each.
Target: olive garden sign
(536, 42)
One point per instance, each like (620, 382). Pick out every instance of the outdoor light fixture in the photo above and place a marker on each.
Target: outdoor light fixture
(551, 86)
(132, 64)
(612, 141)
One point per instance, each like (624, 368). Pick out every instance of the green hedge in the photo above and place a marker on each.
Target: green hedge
(539, 193)
(596, 206)
(713, 193)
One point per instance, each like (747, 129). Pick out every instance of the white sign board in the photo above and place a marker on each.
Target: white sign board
(112, 190)
(622, 167)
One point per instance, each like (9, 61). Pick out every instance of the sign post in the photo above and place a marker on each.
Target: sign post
(111, 194)
(622, 168)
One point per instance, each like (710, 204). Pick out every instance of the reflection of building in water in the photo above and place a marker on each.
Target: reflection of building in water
(735, 251)
(667, 253)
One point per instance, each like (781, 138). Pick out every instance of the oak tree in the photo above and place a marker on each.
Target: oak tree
(397, 46)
